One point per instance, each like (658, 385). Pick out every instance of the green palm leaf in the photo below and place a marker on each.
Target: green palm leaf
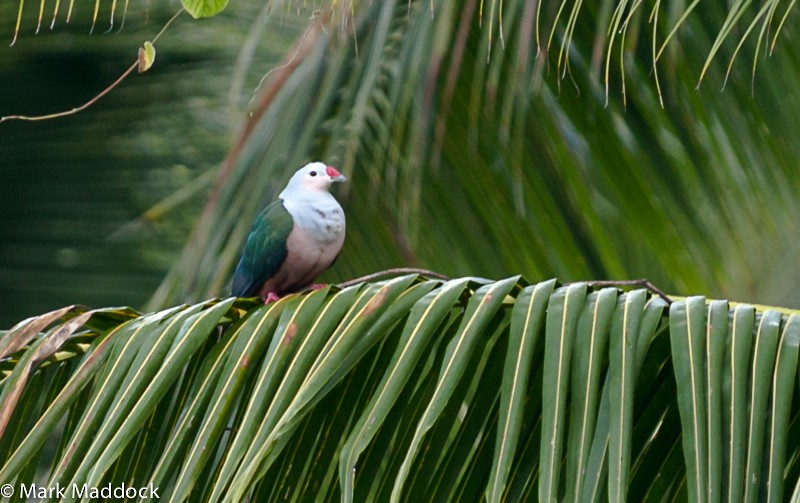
(411, 389)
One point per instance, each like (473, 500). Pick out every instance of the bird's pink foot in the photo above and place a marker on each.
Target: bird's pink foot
(271, 297)
(317, 286)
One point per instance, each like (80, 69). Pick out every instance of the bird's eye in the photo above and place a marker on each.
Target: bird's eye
(313, 173)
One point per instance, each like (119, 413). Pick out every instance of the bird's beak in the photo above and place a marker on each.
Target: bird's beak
(335, 175)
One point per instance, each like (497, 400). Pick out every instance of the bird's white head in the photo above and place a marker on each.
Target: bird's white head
(314, 176)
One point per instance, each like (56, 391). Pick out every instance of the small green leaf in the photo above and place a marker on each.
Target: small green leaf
(204, 8)
(147, 56)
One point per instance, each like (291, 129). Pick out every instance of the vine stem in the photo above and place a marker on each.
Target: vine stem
(643, 282)
(73, 111)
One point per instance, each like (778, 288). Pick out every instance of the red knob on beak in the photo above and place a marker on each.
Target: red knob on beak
(335, 175)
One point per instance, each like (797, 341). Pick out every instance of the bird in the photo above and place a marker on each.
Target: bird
(293, 239)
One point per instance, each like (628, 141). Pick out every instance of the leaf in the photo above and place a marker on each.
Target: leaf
(147, 56)
(563, 313)
(623, 343)
(57, 408)
(590, 356)
(766, 344)
(204, 8)
(425, 317)
(735, 379)
(107, 445)
(414, 389)
(526, 321)
(278, 380)
(367, 309)
(716, 335)
(481, 308)
(26, 330)
(357, 332)
(40, 350)
(124, 355)
(232, 366)
(687, 330)
(783, 384)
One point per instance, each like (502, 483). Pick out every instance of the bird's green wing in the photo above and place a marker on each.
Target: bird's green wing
(264, 251)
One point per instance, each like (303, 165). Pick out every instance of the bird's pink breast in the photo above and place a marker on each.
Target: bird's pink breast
(306, 259)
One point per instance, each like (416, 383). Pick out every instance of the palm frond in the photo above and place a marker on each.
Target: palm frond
(410, 389)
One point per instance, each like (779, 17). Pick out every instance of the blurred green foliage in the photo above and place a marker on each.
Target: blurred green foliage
(81, 197)
(468, 152)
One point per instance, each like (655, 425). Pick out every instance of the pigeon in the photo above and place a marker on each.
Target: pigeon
(294, 239)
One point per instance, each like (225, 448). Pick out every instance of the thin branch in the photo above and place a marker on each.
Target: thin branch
(102, 93)
(73, 111)
(392, 272)
(166, 25)
(629, 282)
